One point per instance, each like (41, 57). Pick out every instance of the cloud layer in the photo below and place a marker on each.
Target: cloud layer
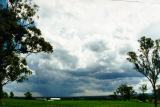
(90, 39)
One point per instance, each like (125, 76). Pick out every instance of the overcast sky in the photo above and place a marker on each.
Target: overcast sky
(91, 39)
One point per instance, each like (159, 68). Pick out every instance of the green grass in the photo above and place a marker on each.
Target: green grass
(81, 103)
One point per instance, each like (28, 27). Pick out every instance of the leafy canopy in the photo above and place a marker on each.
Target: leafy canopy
(147, 60)
(125, 91)
(19, 35)
(143, 88)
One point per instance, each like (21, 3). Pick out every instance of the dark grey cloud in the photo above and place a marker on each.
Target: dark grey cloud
(49, 86)
(115, 75)
(97, 46)
(58, 74)
(50, 80)
(48, 62)
(66, 59)
(101, 72)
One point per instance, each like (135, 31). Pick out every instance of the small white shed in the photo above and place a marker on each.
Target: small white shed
(54, 99)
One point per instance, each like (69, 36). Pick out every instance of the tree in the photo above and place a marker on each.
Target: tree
(143, 89)
(28, 95)
(19, 37)
(11, 94)
(5, 94)
(147, 61)
(125, 91)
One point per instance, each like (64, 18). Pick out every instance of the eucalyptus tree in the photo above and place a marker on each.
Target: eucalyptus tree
(147, 61)
(19, 36)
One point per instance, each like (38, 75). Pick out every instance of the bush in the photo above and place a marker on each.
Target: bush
(11, 94)
(28, 95)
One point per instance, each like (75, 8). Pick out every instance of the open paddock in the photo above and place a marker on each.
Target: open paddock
(70, 103)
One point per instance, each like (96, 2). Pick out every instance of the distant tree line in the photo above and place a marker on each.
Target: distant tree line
(27, 95)
(126, 92)
(123, 92)
(6, 95)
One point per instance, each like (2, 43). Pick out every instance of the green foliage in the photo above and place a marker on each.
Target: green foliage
(19, 35)
(28, 95)
(11, 95)
(125, 91)
(5, 94)
(147, 61)
(143, 88)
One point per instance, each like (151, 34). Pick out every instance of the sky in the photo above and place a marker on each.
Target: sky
(91, 39)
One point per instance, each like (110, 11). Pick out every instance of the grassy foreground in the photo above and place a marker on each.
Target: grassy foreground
(82, 103)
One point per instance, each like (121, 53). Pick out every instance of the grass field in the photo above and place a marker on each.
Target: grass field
(82, 103)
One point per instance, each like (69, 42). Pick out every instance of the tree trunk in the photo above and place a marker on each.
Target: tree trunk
(143, 97)
(1, 95)
(155, 95)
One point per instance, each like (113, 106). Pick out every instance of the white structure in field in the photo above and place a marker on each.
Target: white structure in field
(54, 99)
